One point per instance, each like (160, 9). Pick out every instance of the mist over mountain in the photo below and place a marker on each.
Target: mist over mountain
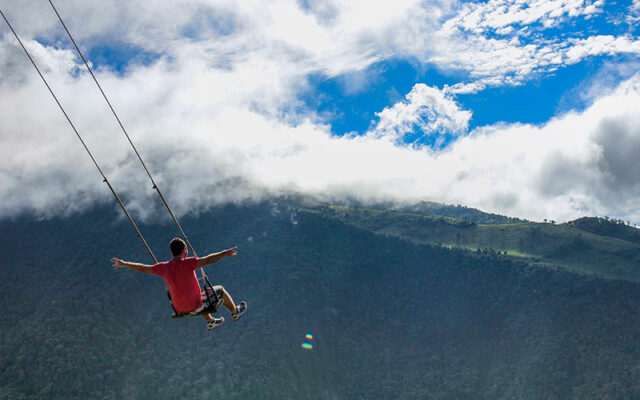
(401, 304)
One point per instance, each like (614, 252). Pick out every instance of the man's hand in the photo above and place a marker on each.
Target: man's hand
(231, 252)
(117, 263)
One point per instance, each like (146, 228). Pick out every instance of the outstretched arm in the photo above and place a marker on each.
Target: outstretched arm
(118, 263)
(215, 257)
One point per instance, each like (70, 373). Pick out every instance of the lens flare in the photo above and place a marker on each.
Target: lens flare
(307, 345)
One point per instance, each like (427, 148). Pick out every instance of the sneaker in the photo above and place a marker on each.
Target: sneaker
(215, 323)
(240, 309)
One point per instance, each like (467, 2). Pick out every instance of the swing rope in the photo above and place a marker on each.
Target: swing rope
(155, 186)
(213, 304)
(105, 180)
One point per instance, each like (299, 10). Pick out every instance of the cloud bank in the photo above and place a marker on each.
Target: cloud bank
(214, 113)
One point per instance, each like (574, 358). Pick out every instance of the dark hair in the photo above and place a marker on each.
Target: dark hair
(177, 245)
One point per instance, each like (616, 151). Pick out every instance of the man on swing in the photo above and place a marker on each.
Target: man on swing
(180, 276)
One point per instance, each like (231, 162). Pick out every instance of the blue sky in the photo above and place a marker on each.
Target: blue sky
(523, 108)
(352, 109)
(534, 100)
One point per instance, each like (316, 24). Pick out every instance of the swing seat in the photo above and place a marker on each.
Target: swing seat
(210, 309)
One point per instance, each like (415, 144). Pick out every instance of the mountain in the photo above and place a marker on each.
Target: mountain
(610, 253)
(395, 309)
(459, 212)
(607, 227)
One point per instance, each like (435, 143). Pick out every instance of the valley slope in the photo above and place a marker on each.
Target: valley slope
(399, 305)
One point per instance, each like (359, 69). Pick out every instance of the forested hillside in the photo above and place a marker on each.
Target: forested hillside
(607, 227)
(609, 250)
(458, 212)
(391, 318)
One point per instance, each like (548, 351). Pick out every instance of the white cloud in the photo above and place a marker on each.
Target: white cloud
(602, 44)
(427, 109)
(212, 114)
(332, 37)
(500, 14)
(203, 150)
(508, 62)
(633, 16)
(571, 166)
(467, 41)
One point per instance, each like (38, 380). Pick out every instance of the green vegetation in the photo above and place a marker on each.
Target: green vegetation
(614, 228)
(458, 212)
(392, 318)
(561, 246)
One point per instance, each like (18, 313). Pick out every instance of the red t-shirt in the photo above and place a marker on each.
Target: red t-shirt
(181, 279)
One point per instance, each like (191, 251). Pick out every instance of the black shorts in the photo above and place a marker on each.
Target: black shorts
(218, 291)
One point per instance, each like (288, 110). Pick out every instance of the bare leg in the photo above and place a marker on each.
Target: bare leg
(207, 317)
(228, 302)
